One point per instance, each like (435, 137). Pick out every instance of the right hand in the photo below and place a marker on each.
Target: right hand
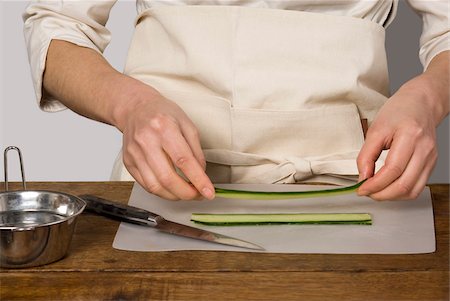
(157, 134)
(157, 137)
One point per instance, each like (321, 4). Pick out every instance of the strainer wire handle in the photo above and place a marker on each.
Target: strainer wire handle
(5, 162)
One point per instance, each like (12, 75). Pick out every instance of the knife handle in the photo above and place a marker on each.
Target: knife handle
(120, 212)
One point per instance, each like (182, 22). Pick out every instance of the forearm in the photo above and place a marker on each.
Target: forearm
(86, 83)
(434, 85)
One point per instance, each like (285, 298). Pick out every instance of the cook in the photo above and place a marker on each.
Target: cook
(249, 91)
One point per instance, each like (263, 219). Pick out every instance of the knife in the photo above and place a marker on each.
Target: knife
(143, 217)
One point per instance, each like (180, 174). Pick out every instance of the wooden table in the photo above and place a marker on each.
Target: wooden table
(93, 270)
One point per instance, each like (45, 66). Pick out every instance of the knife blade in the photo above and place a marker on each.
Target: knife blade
(143, 217)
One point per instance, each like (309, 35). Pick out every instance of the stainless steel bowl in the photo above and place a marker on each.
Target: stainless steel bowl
(36, 227)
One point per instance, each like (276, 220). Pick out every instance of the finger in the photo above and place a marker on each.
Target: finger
(181, 154)
(165, 194)
(411, 183)
(421, 182)
(402, 187)
(168, 177)
(152, 184)
(368, 155)
(148, 180)
(153, 163)
(192, 136)
(397, 159)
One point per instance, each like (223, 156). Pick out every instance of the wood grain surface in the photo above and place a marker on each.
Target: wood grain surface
(93, 270)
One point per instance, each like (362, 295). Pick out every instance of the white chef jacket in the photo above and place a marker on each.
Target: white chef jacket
(83, 23)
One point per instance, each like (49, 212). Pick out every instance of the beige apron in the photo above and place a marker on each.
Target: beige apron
(277, 95)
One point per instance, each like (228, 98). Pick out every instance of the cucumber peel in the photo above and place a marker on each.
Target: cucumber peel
(282, 218)
(271, 195)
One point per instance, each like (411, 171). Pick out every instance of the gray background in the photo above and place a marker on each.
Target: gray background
(66, 147)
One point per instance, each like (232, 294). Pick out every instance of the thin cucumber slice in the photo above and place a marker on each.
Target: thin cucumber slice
(264, 195)
(281, 218)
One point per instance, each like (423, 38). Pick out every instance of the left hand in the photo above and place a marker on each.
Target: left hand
(406, 125)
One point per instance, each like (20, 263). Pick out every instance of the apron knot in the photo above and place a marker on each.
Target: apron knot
(301, 167)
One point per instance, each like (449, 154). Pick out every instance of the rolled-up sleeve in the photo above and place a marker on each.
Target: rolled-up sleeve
(436, 27)
(80, 22)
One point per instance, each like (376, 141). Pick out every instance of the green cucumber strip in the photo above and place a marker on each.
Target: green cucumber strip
(281, 218)
(266, 195)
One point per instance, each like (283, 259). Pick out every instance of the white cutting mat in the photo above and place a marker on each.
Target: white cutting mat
(399, 227)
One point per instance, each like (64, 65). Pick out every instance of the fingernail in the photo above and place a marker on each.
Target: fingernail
(363, 175)
(208, 193)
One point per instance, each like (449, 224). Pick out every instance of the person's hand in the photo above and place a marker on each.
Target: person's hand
(157, 137)
(157, 134)
(406, 125)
